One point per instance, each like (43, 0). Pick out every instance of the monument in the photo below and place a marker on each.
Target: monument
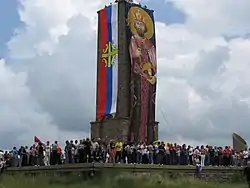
(126, 74)
(239, 143)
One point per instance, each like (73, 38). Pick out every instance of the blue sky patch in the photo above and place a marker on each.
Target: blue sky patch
(9, 20)
(165, 12)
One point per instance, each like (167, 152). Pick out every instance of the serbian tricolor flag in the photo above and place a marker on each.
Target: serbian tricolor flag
(108, 64)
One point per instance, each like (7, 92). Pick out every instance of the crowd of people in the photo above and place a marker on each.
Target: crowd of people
(95, 150)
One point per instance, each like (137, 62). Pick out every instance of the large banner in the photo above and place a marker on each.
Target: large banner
(142, 50)
(108, 62)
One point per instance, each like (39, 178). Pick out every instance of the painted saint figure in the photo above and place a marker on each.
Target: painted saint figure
(142, 50)
(143, 62)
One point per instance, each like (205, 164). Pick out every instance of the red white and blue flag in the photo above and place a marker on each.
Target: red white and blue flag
(108, 67)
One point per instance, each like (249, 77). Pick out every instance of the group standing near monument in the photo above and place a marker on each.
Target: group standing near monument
(105, 151)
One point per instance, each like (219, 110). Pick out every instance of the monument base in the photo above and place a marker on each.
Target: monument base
(111, 129)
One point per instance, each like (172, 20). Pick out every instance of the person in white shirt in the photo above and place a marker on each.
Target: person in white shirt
(2, 165)
(48, 151)
(245, 157)
(202, 154)
(145, 154)
(94, 150)
(198, 165)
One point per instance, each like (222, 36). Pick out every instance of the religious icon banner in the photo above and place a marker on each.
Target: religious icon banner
(142, 50)
(108, 62)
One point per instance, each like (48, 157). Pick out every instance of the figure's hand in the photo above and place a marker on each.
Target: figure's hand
(152, 80)
(138, 52)
(145, 75)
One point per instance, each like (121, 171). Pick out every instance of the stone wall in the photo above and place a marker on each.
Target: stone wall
(217, 174)
(112, 129)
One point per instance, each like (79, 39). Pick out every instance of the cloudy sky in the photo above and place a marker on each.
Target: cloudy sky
(48, 66)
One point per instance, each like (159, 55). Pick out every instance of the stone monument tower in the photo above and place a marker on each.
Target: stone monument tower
(126, 74)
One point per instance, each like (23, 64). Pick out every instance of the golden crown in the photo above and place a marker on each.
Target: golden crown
(138, 17)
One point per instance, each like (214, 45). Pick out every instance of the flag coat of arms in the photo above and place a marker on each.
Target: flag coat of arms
(108, 65)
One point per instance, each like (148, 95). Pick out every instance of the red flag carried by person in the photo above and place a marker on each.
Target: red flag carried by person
(37, 140)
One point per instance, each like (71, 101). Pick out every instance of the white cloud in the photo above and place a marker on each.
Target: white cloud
(21, 116)
(203, 93)
(227, 17)
(216, 68)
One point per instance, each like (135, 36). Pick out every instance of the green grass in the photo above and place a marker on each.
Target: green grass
(123, 181)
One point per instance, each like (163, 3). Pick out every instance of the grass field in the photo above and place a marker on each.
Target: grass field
(121, 182)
